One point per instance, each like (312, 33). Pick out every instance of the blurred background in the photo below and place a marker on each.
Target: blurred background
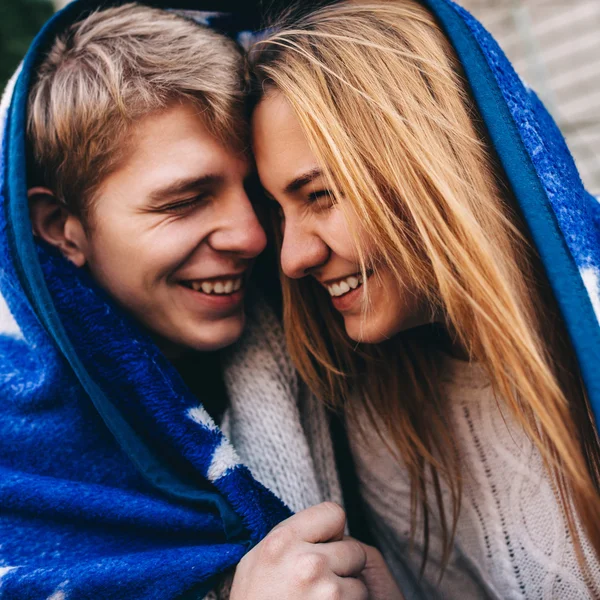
(553, 44)
(555, 47)
(19, 22)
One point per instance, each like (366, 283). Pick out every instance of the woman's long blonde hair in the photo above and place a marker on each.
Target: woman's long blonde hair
(381, 97)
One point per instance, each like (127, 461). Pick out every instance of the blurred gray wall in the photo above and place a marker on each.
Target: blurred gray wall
(555, 47)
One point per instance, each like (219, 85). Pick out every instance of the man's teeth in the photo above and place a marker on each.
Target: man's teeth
(343, 286)
(226, 286)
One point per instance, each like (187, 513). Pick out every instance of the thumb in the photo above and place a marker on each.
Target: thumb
(323, 522)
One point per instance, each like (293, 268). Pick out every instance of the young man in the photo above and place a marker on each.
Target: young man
(137, 129)
(126, 246)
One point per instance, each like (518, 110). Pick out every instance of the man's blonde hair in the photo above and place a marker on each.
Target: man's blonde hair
(112, 68)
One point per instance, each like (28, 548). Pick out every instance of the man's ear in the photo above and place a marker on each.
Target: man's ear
(52, 221)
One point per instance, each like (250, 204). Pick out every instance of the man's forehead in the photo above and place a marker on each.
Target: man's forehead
(178, 134)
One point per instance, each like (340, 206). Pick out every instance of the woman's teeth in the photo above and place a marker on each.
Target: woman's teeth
(224, 287)
(343, 286)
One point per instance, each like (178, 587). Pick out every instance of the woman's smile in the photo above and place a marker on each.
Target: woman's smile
(346, 291)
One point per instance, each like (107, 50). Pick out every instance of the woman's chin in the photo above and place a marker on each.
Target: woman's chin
(363, 331)
(373, 330)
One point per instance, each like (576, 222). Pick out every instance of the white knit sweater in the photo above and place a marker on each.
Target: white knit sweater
(512, 540)
(279, 430)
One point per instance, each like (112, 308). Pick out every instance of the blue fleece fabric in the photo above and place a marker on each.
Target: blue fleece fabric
(114, 482)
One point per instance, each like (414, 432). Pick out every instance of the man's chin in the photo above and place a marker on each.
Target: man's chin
(213, 336)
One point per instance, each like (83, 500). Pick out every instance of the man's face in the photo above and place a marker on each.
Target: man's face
(173, 233)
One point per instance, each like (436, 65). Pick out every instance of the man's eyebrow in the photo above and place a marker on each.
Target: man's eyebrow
(183, 186)
(303, 180)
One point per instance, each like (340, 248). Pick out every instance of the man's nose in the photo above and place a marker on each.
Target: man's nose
(241, 232)
(302, 250)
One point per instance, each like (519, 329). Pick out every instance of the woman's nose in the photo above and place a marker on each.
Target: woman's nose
(301, 250)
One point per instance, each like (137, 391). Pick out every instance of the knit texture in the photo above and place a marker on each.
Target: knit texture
(512, 540)
(279, 430)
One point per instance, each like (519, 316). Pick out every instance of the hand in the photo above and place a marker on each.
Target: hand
(378, 578)
(305, 557)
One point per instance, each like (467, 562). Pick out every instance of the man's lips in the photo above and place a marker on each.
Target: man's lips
(220, 286)
(223, 284)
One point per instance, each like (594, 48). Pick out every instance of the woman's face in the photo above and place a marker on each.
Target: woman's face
(317, 239)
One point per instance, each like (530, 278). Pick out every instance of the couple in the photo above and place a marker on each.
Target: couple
(439, 296)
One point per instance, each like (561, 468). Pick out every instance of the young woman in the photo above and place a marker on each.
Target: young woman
(440, 282)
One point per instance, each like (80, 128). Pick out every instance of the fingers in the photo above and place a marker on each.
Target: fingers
(377, 577)
(313, 577)
(346, 559)
(372, 555)
(347, 588)
(306, 557)
(324, 522)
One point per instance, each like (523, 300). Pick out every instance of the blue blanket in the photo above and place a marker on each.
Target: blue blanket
(114, 480)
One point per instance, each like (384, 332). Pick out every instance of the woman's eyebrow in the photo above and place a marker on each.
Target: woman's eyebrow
(302, 180)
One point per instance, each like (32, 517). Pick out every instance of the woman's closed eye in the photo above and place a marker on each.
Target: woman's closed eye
(323, 198)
